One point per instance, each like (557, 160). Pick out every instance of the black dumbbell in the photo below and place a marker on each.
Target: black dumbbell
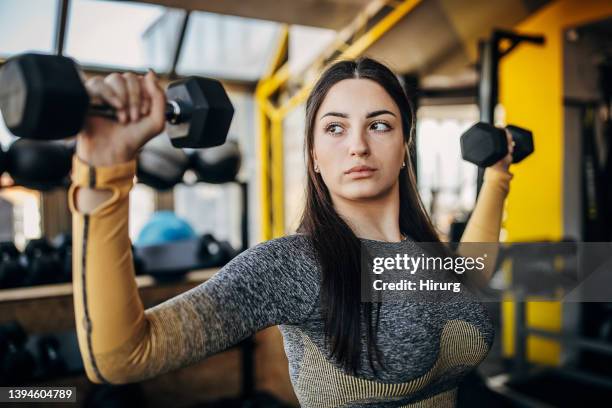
(43, 262)
(484, 144)
(40, 165)
(12, 270)
(63, 246)
(209, 250)
(217, 165)
(50, 360)
(115, 396)
(160, 166)
(139, 265)
(43, 98)
(17, 364)
(212, 252)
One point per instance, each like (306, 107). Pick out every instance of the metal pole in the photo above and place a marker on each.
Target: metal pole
(60, 36)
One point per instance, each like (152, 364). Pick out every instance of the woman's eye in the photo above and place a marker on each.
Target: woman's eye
(380, 126)
(334, 129)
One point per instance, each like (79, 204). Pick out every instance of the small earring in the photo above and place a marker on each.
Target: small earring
(403, 164)
(316, 168)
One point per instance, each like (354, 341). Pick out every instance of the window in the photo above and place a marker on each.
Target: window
(27, 26)
(116, 34)
(446, 182)
(227, 47)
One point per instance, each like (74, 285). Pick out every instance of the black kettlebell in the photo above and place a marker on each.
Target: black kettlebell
(12, 270)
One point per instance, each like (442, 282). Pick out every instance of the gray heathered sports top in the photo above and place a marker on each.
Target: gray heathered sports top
(427, 347)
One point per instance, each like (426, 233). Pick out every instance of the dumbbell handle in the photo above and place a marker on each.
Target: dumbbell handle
(175, 112)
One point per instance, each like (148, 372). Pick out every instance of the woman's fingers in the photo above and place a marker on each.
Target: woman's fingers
(135, 98)
(510, 141)
(133, 90)
(100, 92)
(145, 106)
(117, 83)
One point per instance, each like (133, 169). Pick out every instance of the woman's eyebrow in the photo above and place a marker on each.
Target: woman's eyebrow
(369, 115)
(341, 115)
(378, 113)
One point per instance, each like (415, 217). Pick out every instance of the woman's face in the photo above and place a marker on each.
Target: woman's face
(358, 124)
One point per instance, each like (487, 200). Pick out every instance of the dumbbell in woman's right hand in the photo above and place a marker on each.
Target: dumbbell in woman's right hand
(486, 145)
(140, 105)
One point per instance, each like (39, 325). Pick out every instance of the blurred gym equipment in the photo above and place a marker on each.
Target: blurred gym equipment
(39, 165)
(16, 362)
(43, 262)
(217, 165)
(164, 227)
(173, 259)
(12, 270)
(160, 165)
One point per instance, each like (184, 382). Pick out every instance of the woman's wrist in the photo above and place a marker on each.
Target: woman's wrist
(497, 177)
(102, 157)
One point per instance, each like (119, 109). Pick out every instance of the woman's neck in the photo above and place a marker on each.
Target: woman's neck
(375, 219)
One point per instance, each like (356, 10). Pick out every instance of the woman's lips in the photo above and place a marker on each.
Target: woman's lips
(360, 172)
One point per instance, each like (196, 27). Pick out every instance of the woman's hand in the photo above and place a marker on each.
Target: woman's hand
(503, 164)
(140, 105)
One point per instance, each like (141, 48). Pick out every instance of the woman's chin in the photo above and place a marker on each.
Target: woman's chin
(364, 192)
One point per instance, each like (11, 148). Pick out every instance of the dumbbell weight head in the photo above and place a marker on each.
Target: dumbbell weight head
(523, 142)
(43, 98)
(160, 165)
(43, 263)
(12, 271)
(483, 144)
(139, 265)
(17, 364)
(206, 113)
(39, 165)
(210, 251)
(63, 246)
(217, 165)
(51, 362)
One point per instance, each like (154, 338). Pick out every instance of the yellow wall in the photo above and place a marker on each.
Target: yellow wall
(531, 91)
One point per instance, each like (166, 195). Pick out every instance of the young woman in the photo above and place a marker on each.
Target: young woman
(361, 191)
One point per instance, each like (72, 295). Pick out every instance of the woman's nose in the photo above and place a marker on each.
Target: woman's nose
(358, 144)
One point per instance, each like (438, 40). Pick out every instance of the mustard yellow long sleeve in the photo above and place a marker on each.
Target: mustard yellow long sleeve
(122, 342)
(110, 317)
(485, 223)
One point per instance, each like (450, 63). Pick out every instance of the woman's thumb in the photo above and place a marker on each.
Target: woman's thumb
(158, 101)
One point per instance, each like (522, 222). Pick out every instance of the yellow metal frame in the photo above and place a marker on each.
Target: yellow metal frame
(270, 117)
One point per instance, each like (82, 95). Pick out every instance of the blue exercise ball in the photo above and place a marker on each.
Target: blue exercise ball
(164, 227)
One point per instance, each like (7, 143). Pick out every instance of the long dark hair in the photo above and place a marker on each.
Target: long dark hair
(334, 240)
